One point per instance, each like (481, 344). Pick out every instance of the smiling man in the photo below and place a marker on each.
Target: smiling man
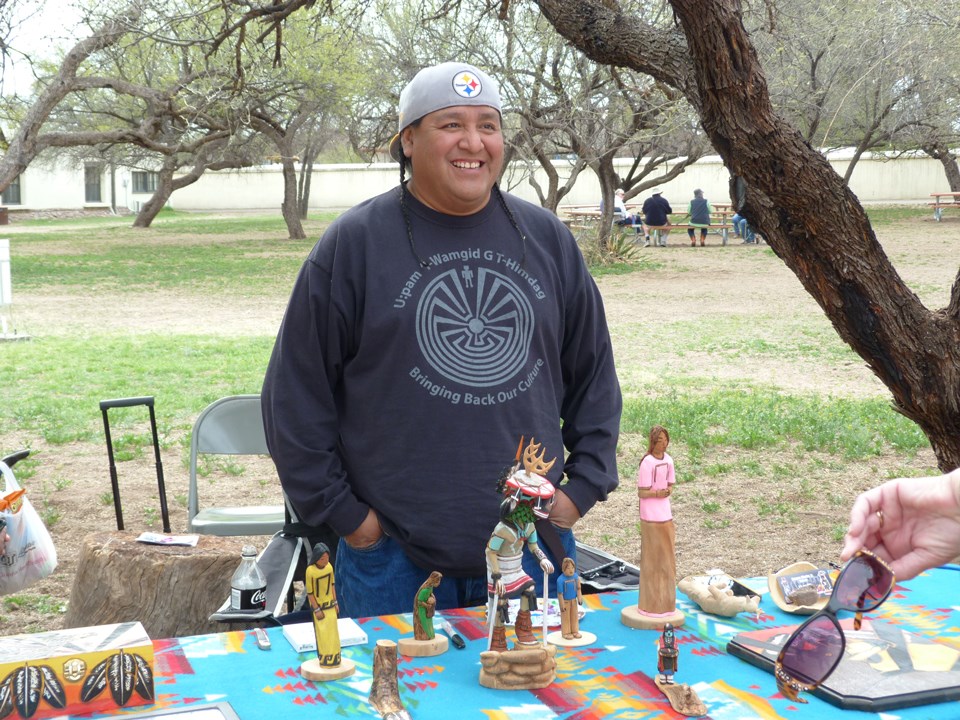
(429, 329)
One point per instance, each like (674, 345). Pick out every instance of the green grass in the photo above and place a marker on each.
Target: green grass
(243, 256)
(43, 395)
(883, 215)
(757, 418)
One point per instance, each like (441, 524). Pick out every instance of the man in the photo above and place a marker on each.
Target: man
(429, 328)
(656, 211)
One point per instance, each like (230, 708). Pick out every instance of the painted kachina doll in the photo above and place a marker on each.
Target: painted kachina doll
(683, 698)
(657, 603)
(667, 654)
(528, 495)
(322, 595)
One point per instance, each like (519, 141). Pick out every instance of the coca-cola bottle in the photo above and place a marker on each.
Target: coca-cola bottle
(248, 587)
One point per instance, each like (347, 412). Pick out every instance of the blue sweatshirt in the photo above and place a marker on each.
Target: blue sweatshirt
(407, 389)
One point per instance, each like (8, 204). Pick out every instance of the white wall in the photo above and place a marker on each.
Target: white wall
(340, 186)
(910, 179)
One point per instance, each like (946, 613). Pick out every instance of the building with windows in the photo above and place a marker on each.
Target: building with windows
(90, 186)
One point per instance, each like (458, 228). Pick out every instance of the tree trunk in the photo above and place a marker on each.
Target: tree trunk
(291, 214)
(804, 210)
(608, 187)
(167, 184)
(306, 176)
(939, 150)
(159, 198)
(171, 590)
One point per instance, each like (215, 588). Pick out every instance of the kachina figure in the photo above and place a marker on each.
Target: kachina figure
(527, 495)
(667, 654)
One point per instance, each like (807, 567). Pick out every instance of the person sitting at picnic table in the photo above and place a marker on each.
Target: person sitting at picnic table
(742, 228)
(699, 211)
(623, 217)
(656, 210)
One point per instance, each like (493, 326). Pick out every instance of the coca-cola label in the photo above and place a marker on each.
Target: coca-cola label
(253, 599)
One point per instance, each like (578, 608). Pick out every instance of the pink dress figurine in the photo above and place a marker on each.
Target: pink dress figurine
(657, 604)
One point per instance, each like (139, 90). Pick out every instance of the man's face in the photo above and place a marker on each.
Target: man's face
(322, 561)
(457, 154)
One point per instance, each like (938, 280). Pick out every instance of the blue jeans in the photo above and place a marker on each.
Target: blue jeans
(381, 580)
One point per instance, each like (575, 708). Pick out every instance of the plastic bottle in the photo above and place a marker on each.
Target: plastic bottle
(248, 587)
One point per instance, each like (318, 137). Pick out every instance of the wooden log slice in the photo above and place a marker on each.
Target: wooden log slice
(171, 590)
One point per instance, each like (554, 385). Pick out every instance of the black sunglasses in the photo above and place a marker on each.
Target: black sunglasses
(814, 650)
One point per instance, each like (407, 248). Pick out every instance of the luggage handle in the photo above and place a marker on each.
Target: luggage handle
(126, 402)
(106, 405)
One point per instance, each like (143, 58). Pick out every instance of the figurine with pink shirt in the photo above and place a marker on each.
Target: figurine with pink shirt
(657, 604)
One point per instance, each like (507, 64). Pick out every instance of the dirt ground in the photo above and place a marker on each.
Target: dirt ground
(720, 524)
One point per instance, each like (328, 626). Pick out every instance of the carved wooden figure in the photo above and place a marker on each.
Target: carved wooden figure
(425, 642)
(570, 598)
(657, 603)
(322, 596)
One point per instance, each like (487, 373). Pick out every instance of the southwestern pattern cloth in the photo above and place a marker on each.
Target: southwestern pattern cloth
(612, 679)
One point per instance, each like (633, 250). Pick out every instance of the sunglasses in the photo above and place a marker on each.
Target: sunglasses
(814, 650)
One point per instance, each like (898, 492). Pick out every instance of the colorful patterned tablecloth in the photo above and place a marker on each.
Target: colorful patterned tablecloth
(611, 679)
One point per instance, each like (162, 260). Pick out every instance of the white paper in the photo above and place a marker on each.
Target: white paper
(302, 639)
(158, 539)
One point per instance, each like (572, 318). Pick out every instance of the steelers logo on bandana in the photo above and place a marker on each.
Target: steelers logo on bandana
(466, 84)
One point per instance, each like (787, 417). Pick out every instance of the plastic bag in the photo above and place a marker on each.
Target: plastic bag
(30, 554)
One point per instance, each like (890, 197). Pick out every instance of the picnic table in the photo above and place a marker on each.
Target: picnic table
(584, 216)
(943, 200)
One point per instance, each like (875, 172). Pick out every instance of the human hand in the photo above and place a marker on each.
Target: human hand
(911, 523)
(564, 513)
(367, 533)
(546, 566)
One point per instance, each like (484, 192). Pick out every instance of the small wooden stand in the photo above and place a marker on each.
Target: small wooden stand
(412, 647)
(531, 668)
(586, 638)
(170, 589)
(313, 670)
(633, 618)
(682, 698)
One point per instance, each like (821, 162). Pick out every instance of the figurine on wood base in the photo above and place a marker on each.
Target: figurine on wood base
(657, 604)
(527, 495)
(322, 596)
(682, 698)
(570, 598)
(425, 641)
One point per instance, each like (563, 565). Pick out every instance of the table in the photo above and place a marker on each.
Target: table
(942, 201)
(611, 679)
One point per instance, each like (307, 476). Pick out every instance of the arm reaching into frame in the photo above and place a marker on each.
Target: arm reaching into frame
(912, 523)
